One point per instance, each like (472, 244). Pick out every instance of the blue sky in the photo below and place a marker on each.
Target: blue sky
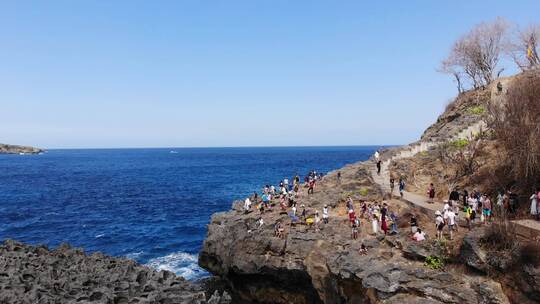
(78, 74)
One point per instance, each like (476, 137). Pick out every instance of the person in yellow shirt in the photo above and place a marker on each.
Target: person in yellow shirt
(468, 214)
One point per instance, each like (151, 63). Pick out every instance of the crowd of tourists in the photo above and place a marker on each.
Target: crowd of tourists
(284, 197)
(381, 219)
(478, 208)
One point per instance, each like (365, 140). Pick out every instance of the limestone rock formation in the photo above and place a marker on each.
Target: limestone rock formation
(13, 149)
(31, 274)
(519, 276)
(309, 266)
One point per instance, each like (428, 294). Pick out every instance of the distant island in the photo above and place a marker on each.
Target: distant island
(14, 149)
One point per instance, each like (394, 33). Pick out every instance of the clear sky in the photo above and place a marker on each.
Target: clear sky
(229, 73)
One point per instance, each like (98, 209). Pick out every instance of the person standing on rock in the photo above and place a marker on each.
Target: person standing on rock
(352, 216)
(247, 205)
(364, 209)
(468, 215)
(500, 204)
(486, 209)
(354, 232)
(375, 223)
(455, 207)
(465, 196)
(317, 221)
(325, 214)
(451, 218)
(473, 204)
(393, 225)
(311, 186)
(431, 193)
(377, 155)
(265, 200)
(454, 196)
(414, 223)
(392, 181)
(339, 177)
(401, 187)
(350, 203)
(534, 204)
(384, 225)
(439, 224)
(379, 166)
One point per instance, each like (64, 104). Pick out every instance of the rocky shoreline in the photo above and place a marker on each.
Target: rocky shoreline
(35, 274)
(14, 149)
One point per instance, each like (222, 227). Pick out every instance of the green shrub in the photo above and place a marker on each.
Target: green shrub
(434, 262)
(477, 110)
(460, 143)
(363, 191)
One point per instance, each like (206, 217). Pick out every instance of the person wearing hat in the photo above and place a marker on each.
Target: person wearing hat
(439, 224)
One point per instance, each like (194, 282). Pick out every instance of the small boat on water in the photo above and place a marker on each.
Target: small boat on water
(173, 152)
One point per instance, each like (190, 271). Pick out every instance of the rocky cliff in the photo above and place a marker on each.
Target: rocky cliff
(310, 266)
(14, 149)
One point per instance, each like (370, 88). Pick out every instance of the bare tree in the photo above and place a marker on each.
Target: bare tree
(448, 67)
(523, 48)
(476, 54)
(460, 157)
(517, 128)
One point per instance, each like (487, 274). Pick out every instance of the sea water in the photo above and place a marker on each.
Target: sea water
(151, 205)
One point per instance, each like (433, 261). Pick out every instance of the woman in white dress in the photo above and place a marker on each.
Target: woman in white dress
(534, 205)
(375, 223)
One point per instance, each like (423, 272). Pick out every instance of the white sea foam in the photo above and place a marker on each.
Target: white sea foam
(134, 255)
(181, 263)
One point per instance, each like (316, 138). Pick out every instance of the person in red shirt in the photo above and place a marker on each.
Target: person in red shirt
(352, 216)
(311, 186)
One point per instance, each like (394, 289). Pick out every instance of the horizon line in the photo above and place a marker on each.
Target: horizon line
(216, 147)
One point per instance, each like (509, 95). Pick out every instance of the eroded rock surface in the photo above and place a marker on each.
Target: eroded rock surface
(309, 266)
(31, 274)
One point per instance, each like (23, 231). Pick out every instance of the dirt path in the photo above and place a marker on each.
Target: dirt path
(528, 229)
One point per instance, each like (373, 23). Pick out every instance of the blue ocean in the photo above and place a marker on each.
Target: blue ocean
(151, 205)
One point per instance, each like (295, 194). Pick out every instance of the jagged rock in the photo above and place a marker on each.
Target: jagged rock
(31, 274)
(325, 267)
(522, 278)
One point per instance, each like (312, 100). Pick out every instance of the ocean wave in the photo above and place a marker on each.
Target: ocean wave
(134, 255)
(181, 263)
